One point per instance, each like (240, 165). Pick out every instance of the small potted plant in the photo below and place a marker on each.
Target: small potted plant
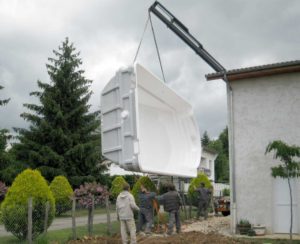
(260, 230)
(244, 226)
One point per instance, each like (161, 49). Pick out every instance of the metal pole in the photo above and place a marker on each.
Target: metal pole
(73, 218)
(108, 215)
(92, 214)
(29, 234)
(181, 190)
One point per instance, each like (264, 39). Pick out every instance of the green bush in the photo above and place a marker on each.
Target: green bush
(226, 192)
(145, 181)
(62, 192)
(77, 181)
(49, 173)
(116, 187)
(192, 194)
(30, 183)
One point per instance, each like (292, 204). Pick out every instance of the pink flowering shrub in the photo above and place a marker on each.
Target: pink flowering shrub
(3, 190)
(85, 192)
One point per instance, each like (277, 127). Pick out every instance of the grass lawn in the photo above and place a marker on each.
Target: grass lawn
(84, 212)
(62, 236)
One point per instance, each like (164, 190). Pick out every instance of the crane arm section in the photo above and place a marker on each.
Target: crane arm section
(183, 33)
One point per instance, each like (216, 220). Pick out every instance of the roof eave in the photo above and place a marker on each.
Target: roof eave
(254, 73)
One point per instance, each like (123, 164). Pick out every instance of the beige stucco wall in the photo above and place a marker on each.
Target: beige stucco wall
(264, 109)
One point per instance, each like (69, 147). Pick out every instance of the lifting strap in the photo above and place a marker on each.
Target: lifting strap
(138, 49)
(156, 45)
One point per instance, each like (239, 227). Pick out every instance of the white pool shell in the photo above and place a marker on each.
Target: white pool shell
(147, 127)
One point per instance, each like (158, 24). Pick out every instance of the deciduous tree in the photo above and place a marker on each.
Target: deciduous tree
(288, 169)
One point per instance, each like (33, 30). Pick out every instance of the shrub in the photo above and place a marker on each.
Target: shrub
(85, 192)
(8, 174)
(49, 173)
(3, 190)
(145, 181)
(62, 192)
(195, 183)
(131, 179)
(77, 181)
(226, 192)
(117, 186)
(29, 183)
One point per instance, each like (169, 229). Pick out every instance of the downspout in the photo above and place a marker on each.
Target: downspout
(231, 156)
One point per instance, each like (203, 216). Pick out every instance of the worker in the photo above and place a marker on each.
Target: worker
(203, 200)
(172, 203)
(125, 206)
(146, 199)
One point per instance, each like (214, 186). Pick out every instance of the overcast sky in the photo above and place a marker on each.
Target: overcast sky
(107, 32)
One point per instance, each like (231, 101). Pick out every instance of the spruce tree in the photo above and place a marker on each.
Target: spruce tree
(5, 157)
(205, 140)
(3, 101)
(62, 138)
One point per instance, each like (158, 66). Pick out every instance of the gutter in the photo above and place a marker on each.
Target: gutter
(231, 155)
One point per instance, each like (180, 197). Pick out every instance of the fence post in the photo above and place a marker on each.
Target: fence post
(108, 215)
(90, 216)
(46, 217)
(184, 205)
(190, 207)
(29, 234)
(181, 194)
(73, 218)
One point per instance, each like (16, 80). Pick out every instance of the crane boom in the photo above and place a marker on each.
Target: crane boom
(182, 31)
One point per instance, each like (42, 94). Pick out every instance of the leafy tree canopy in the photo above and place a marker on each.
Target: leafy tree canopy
(289, 167)
(222, 161)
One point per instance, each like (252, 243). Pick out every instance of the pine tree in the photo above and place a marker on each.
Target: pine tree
(5, 157)
(205, 140)
(4, 101)
(62, 138)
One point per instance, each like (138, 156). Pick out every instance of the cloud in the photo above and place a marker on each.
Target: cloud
(107, 33)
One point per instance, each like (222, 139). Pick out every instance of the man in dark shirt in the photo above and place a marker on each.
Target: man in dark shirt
(172, 202)
(203, 200)
(146, 209)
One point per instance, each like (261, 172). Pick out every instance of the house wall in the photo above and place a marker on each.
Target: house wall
(208, 162)
(264, 109)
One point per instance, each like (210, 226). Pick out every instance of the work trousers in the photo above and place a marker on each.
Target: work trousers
(202, 209)
(145, 217)
(174, 217)
(128, 226)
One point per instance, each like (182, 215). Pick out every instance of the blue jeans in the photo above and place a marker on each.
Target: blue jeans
(174, 217)
(202, 209)
(145, 217)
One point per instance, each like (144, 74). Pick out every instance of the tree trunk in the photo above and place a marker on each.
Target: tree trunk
(291, 205)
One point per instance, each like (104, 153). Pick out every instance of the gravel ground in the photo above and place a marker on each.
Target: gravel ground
(220, 225)
(214, 230)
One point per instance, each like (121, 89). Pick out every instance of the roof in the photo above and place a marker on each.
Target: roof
(210, 150)
(257, 71)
